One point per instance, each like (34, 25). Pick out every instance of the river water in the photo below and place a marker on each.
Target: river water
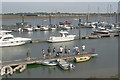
(104, 65)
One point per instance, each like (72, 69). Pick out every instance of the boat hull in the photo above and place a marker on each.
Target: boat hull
(82, 59)
(16, 42)
(65, 39)
(9, 44)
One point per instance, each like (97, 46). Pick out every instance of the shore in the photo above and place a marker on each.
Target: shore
(4, 17)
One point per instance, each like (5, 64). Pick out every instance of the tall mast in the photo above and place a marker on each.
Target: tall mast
(23, 19)
(98, 12)
(50, 19)
(110, 13)
(88, 14)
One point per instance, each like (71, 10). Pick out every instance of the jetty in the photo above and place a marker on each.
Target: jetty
(24, 62)
(83, 37)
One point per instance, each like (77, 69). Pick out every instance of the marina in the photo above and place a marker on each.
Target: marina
(59, 44)
(41, 40)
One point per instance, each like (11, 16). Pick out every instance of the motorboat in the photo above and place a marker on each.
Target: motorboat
(65, 25)
(49, 63)
(82, 59)
(44, 28)
(37, 27)
(29, 29)
(64, 36)
(101, 32)
(7, 39)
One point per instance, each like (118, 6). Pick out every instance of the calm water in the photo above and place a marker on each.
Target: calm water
(104, 65)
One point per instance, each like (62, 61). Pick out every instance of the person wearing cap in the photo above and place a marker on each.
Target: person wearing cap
(83, 48)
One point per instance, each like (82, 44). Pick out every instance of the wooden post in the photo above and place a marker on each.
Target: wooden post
(79, 27)
(28, 55)
(87, 18)
(116, 18)
(50, 19)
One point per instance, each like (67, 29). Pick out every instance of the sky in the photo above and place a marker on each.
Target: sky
(60, 0)
(69, 7)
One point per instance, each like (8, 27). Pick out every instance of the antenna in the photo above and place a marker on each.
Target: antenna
(98, 12)
(110, 13)
(88, 14)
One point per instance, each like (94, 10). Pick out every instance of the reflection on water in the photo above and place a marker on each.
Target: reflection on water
(11, 53)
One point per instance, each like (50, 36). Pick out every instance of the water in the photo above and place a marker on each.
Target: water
(104, 65)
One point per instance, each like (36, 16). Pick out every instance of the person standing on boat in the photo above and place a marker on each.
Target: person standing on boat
(43, 52)
(83, 48)
(61, 50)
(54, 51)
(49, 52)
(66, 50)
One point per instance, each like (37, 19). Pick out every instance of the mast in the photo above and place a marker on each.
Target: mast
(110, 13)
(88, 14)
(23, 19)
(98, 12)
(79, 28)
(50, 19)
(116, 18)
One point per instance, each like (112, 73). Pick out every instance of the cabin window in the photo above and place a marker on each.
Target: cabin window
(16, 41)
(11, 42)
(61, 35)
(7, 38)
(0, 37)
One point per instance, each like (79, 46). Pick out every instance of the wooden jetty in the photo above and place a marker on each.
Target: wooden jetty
(40, 59)
(84, 37)
(24, 62)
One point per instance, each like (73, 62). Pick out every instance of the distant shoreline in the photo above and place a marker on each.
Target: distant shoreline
(4, 17)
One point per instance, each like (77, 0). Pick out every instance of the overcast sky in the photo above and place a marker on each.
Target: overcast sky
(60, 0)
(72, 7)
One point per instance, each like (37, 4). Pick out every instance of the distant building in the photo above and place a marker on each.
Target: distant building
(119, 13)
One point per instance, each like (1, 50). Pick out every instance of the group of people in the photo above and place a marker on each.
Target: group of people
(62, 50)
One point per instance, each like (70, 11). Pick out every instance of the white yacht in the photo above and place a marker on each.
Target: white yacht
(44, 28)
(64, 36)
(7, 39)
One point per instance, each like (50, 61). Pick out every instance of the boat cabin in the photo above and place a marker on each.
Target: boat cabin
(63, 33)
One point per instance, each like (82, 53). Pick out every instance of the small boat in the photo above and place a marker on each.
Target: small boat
(100, 30)
(82, 59)
(37, 27)
(49, 63)
(65, 25)
(65, 65)
(20, 68)
(6, 70)
(64, 36)
(44, 28)
(29, 29)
